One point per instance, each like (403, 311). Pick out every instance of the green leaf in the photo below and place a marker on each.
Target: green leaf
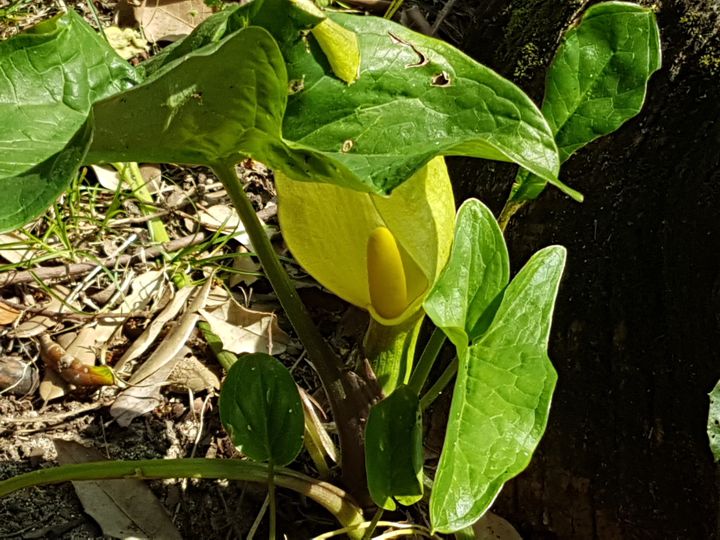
(502, 397)
(261, 410)
(341, 49)
(466, 293)
(598, 79)
(394, 451)
(49, 78)
(713, 423)
(197, 110)
(416, 98)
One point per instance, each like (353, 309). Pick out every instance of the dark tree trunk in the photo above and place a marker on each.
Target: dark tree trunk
(636, 333)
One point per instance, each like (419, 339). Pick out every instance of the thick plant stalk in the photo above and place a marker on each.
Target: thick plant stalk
(334, 499)
(391, 350)
(350, 405)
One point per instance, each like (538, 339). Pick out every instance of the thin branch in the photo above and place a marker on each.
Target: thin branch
(75, 269)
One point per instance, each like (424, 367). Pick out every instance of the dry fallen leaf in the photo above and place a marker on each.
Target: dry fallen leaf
(150, 334)
(17, 376)
(170, 20)
(145, 288)
(243, 330)
(142, 398)
(37, 324)
(8, 315)
(124, 508)
(13, 248)
(191, 374)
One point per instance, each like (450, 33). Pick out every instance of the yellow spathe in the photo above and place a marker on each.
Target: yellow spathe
(328, 228)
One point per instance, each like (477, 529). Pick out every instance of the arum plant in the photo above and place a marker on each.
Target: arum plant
(354, 115)
(382, 254)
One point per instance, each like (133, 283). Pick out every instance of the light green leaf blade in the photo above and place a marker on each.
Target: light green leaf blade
(49, 78)
(501, 399)
(261, 410)
(394, 451)
(599, 76)
(597, 80)
(222, 101)
(416, 98)
(469, 287)
(713, 423)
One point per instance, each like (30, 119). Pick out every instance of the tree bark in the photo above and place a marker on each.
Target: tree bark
(638, 319)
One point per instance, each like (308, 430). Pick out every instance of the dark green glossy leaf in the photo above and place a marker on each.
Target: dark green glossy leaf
(394, 451)
(416, 98)
(713, 423)
(501, 399)
(467, 292)
(49, 78)
(261, 410)
(597, 80)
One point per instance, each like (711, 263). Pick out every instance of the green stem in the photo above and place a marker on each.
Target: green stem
(391, 350)
(225, 358)
(131, 173)
(271, 497)
(349, 406)
(334, 499)
(427, 359)
(437, 388)
(508, 212)
(373, 524)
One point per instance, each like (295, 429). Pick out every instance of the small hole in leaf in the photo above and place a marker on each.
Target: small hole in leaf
(442, 79)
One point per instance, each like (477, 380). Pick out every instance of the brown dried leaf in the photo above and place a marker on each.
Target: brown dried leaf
(243, 330)
(16, 376)
(150, 334)
(191, 374)
(124, 508)
(13, 248)
(37, 324)
(8, 315)
(170, 20)
(144, 397)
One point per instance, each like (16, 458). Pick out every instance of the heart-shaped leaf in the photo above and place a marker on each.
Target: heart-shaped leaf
(261, 410)
(394, 451)
(476, 274)
(196, 109)
(50, 78)
(502, 397)
(597, 80)
(416, 98)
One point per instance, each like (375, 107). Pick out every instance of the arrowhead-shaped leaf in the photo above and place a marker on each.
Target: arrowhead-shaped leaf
(394, 451)
(597, 80)
(261, 410)
(416, 97)
(501, 399)
(466, 293)
(49, 78)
